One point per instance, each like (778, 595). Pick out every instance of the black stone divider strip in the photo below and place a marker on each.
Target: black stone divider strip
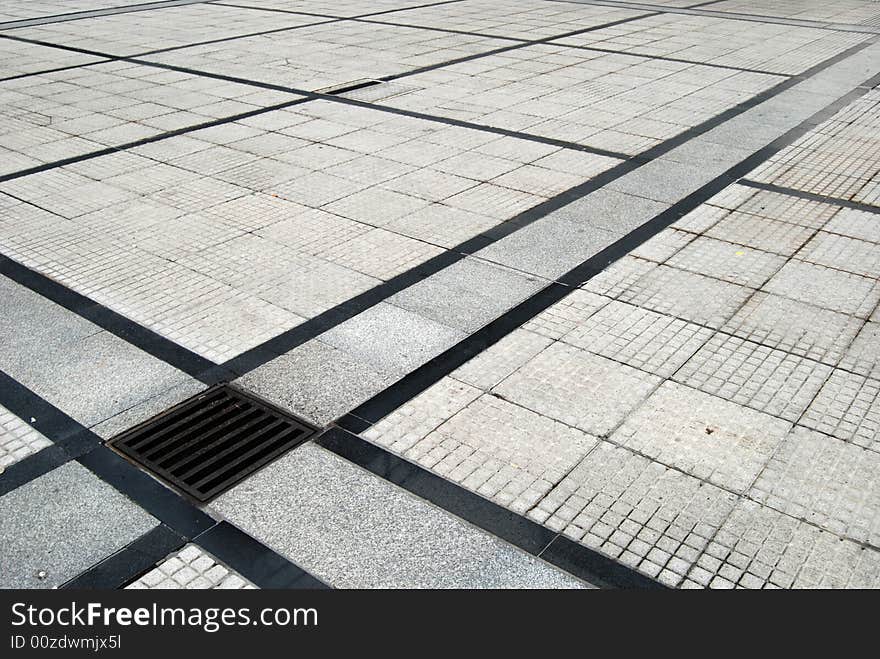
(519, 531)
(253, 560)
(95, 13)
(812, 196)
(176, 514)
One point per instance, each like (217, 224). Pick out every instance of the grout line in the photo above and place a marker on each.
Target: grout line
(255, 561)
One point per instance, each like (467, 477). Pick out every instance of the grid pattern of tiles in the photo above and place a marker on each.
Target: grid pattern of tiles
(726, 375)
(191, 568)
(603, 101)
(838, 159)
(18, 440)
(225, 237)
(842, 11)
(21, 9)
(781, 49)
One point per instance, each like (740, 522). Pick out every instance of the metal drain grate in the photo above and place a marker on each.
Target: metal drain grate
(208, 443)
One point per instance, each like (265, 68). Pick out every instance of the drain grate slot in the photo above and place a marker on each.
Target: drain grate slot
(208, 443)
(368, 90)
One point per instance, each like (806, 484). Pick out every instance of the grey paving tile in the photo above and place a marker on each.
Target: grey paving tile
(619, 276)
(755, 375)
(391, 339)
(93, 378)
(641, 338)
(550, 247)
(826, 482)
(686, 295)
(62, 523)
(147, 409)
(847, 407)
(863, 355)
(775, 206)
(354, 530)
(668, 180)
(855, 224)
(578, 388)
(705, 216)
(843, 253)
(745, 132)
(652, 518)
(572, 311)
(419, 417)
(29, 319)
(703, 435)
(467, 294)
(316, 381)
(796, 327)
(662, 246)
(501, 359)
(699, 150)
(761, 233)
(734, 263)
(825, 287)
(758, 547)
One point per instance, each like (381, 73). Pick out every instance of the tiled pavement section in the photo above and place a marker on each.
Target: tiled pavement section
(704, 411)
(729, 441)
(191, 568)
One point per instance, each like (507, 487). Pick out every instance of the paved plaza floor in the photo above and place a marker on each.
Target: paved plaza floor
(574, 293)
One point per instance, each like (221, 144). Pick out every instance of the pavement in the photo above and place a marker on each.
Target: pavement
(576, 294)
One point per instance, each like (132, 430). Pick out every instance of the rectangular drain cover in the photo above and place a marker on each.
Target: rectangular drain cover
(208, 443)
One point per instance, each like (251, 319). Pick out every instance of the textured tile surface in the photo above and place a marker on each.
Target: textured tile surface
(825, 481)
(62, 523)
(17, 439)
(191, 568)
(705, 436)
